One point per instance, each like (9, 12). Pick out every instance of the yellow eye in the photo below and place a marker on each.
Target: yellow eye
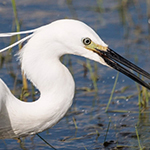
(87, 41)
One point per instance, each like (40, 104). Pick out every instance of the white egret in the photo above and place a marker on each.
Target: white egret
(40, 62)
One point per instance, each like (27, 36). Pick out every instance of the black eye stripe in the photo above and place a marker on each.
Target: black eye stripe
(86, 41)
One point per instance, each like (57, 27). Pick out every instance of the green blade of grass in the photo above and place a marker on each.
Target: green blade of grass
(16, 17)
(112, 92)
(137, 134)
(107, 130)
(25, 85)
(92, 74)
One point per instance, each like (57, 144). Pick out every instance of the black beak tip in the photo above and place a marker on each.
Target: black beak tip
(114, 60)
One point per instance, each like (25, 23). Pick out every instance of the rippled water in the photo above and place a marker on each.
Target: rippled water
(124, 26)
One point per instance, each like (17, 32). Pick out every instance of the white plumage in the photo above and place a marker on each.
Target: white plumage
(40, 62)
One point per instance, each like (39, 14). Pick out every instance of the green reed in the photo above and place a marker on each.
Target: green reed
(93, 74)
(25, 85)
(112, 92)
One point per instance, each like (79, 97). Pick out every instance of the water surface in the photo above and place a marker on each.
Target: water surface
(124, 26)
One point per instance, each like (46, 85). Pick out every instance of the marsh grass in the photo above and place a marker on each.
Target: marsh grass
(107, 130)
(93, 74)
(75, 124)
(112, 92)
(2, 60)
(143, 98)
(138, 138)
(25, 84)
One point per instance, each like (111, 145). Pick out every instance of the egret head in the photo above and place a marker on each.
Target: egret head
(76, 38)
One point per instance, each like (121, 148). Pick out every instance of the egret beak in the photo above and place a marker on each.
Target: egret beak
(113, 59)
(116, 61)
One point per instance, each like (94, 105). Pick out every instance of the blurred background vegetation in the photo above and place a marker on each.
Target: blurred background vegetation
(110, 111)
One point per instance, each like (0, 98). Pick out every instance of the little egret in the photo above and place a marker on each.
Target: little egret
(40, 62)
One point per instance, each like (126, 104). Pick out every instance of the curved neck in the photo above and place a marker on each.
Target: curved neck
(56, 86)
(52, 78)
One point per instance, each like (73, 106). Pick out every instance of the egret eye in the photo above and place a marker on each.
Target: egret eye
(86, 41)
